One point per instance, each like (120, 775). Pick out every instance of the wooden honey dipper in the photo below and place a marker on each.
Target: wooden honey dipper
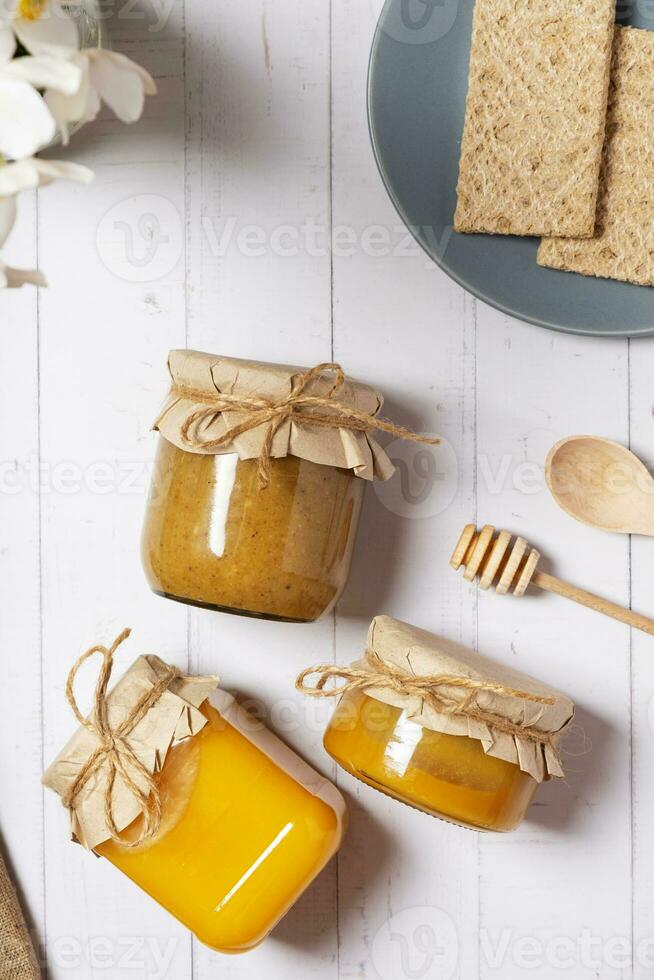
(511, 564)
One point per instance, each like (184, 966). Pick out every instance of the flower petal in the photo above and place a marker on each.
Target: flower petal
(45, 71)
(93, 106)
(121, 83)
(7, 44)
(149, 84)
(72, 108)
(23, 174)
(25, 121)
(14, 278)
(54, 32)
(7, 217)
(121, 61)
(63, 108)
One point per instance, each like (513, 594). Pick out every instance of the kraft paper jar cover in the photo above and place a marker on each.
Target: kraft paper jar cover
(199, 378)
(421, 653)
(173, 718)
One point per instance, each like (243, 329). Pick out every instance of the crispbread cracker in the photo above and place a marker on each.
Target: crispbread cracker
(624, 244)
(534, 124)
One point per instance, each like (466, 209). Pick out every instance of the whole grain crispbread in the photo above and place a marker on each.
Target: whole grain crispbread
(535, 112)
(623, 246)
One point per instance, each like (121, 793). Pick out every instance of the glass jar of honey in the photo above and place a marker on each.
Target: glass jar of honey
(247, 827)
(443, 729)
(225, 529)
(243, 825)
(445, 775)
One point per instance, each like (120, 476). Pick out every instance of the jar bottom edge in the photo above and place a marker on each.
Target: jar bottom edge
(247, 613)
(380, 788)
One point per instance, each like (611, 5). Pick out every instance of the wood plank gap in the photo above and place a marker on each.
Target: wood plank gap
(475, 492)
(330, 166)
(631, 690)
(330, 222)
(186, 198)
(39, 530)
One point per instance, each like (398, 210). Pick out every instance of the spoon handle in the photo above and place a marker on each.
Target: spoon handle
(552, 584)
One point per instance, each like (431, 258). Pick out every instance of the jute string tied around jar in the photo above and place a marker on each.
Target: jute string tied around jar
(298, 407)
(433, 689)
(114, 749)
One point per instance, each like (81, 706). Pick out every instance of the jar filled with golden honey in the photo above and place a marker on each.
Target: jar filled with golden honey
(442, 729)
(258, 485)
(245, 825)
(248, 822)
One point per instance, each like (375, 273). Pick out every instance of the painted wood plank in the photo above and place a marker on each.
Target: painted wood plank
(257, 179)
(116, 305)
(544, 899)
(407, 882)
(642, 690)
(20, 622)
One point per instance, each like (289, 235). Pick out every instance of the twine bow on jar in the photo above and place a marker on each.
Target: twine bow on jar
(297, 407)
(433, 689)
(114, 751)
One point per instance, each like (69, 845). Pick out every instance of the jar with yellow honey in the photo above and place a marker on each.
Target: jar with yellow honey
(243, 825)
(443, 729)
(258, 485)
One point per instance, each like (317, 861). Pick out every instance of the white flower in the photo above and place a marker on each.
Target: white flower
(74, 83)
(107, 76)
(26, 123)
(24, 174)
(9, 277)
(43, 27)
(7, 217)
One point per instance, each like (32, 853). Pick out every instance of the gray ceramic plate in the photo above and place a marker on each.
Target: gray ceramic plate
(416, 99)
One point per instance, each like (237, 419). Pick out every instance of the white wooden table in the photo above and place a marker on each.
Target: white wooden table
(208, 227)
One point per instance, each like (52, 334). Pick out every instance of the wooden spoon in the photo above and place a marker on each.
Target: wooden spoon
(602, 484)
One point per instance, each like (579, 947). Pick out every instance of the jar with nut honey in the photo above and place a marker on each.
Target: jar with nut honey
(258, 485)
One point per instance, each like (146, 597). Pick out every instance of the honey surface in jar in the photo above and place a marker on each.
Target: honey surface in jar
(213, 538)
(449, 776)
(241, 838)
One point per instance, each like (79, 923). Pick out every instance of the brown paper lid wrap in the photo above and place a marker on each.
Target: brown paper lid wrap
(418, 652)
(173, 718)
(198, 378)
